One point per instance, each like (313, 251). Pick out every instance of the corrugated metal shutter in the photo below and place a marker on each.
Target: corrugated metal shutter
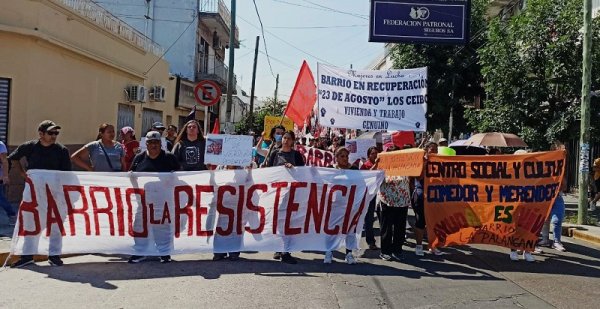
(4, 98)
(150, 116)
(125, 116)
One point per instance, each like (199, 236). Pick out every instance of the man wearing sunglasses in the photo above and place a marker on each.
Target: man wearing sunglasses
(43, 154)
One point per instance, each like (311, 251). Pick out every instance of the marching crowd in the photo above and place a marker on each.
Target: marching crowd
(185, 152)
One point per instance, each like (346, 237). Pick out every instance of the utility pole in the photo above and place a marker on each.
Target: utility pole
(231, 62)
(275, 97)
(251, 115)
(584, 134)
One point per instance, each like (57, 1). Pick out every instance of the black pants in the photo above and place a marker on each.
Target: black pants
(369, 220)
(393, 228)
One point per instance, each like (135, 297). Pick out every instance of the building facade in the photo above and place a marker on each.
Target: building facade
(73, 62)
(196, 32)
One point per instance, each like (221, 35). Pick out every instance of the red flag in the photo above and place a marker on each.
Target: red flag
(216, 128)
(303, 96)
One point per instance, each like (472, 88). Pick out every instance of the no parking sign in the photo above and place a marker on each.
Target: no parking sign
(207, 93)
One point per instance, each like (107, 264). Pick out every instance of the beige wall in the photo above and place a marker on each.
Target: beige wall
(72, 71)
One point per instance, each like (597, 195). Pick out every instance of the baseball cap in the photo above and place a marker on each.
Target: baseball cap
(47, 125)
(126, 130)
(153, 136)
(158, 125)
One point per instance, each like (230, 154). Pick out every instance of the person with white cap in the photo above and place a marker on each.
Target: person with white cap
(154, 159)
(43, 154)
(159, 127)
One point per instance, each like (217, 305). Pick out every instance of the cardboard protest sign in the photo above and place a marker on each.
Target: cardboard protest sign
(500, 200)
(272, 121)
(315, 156)
(371, 99)
(407, 162)
(358, 148)
(225, 149)
(193, 212)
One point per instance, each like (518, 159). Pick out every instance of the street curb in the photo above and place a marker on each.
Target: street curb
(581, 233)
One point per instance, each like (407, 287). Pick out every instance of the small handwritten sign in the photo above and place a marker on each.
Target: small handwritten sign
(225, 149)
(358, 148)
(408, 162)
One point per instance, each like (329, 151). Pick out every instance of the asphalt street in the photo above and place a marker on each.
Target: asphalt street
(464, 277)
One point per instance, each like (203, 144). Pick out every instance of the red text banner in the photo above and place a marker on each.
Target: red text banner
(272, 209)
(316, 157)
(499, 200)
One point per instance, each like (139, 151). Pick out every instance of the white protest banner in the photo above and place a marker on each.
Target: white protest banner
(372, 100)
(358, 148)
(225, 149)
(271, 209)
(163, 144)
(315, 156)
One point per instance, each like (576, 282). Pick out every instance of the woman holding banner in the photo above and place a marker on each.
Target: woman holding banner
(189, 147)
(393, 199)
(342, 155)
(418, 204)
(370, 216)
(285, 156)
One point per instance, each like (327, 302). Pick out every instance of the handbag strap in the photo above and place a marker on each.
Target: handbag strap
(106, 156)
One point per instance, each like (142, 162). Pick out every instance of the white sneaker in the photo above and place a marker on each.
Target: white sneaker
(514, 256)
(328, 257)
(527, 256)
(419, 250)
(538, 250)
(350, 258)
(436, 251)
(558, 246)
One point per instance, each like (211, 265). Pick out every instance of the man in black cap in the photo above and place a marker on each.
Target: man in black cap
(43, 154)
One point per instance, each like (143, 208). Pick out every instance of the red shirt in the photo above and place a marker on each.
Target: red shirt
(130, 148)
(367, 165)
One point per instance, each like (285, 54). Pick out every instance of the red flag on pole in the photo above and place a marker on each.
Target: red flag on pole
(216, 128)
(303, 96)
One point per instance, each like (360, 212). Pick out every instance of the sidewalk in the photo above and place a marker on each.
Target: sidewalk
(587, 233)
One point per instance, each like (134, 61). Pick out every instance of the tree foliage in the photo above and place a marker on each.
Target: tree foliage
(532, 67)
(446, 63)
(270, 108)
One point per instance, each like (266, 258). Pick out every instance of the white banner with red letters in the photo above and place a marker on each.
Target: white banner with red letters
(272, 209)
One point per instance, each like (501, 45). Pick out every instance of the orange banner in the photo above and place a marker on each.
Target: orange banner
(499, 200)
(407, 162)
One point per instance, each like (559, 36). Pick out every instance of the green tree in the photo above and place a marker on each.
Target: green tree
(270, 108)
(446, 63)
(531, 65)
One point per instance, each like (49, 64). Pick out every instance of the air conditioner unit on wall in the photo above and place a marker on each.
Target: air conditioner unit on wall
(158, 93)
(137, 93)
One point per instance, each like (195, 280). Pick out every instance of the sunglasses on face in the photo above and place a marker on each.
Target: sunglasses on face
(52, 132)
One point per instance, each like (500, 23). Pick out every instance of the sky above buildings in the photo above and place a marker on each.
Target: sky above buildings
(334, 32)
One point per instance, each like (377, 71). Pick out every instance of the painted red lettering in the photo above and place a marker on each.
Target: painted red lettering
(314, 209)
(200, 211)
(107, 210)
(343, 190)
(31, 208)
(222, 210)
(186, 210)
(53, 216)
(72, 211)
(278, 186)
(261, 210)
(129, 192)
(292, 207)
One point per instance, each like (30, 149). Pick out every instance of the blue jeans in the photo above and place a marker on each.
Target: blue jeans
(557, 215)
(10, 211)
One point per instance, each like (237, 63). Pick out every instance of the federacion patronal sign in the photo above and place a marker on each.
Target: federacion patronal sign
(372, 99)
(420, 21)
